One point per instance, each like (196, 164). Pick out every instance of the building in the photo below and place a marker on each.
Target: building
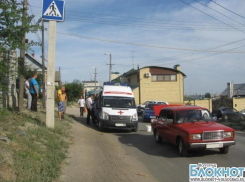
(155, 83)
(9, 92)
(91, 85)
(32, 63)
(234, 90)
(114, 75)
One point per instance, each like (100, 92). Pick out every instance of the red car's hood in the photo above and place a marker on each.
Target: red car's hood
(203, 126)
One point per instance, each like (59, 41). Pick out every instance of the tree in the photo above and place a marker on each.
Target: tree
(13, 27)
(208, 95)
(74, 90)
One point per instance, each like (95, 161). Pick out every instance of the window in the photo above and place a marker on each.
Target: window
(160, 78)
(154, 78)
(173, 78)
(128, 80)
(164, 78)
(170, 117)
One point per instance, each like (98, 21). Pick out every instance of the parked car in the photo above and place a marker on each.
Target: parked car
(191, 127)
(227, 113)
(243, 112)
(141, 108)
(149, 112)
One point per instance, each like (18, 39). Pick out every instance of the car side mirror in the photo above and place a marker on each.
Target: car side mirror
(214, 118)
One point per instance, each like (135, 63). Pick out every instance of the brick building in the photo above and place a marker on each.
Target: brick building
(155, 83)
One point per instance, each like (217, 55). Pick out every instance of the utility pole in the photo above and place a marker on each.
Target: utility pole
(22, 59)
(133, 58)
(110, 65)
(43, 68)
(95, 78)
(51, 74)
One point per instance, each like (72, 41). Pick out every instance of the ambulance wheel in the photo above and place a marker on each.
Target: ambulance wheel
(100, 126)
(135, 129)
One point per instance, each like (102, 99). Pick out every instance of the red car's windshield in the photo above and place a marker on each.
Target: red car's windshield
(187, 116)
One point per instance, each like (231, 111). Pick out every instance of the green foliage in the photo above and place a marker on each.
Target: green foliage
(74, 90)
(13, 27)
(207, 95)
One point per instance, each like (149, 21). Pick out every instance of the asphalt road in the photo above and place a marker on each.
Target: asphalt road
(161, 162)
(164, 162)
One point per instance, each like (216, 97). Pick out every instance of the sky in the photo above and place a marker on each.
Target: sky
(205, 40)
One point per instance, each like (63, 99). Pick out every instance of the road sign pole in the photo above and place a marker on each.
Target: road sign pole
(51, 75)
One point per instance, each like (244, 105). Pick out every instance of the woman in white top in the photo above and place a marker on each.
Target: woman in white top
(81, 103)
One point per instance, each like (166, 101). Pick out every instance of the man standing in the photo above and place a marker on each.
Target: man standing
(60, 102)
(89, 105)
(34, 91)
(27, 92)
(65, 99)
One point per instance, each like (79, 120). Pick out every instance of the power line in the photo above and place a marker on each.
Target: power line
(141, 45)
(147, 25)
(210, 16)
(227, 9)
(219, 12)
(214, 54)
(191, 54)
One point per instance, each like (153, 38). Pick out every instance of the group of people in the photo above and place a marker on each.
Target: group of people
(91, 106)
(32, 92)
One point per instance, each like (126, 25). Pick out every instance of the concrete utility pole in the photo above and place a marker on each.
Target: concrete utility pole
(133, 58)
(22, 60)
(110, 66)
(95, 78)
(51, 75)
(43, 67)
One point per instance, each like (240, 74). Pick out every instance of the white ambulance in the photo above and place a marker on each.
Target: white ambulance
(116, 108)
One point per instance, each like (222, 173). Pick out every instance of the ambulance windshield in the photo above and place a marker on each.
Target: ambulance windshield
(118, 102)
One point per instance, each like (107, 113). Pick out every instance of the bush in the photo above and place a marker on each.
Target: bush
(74, 90)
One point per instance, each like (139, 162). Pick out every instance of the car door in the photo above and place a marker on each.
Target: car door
(169, 126)
(161, 123)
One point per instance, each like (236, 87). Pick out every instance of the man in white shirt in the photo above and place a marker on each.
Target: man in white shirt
(89, 105)
(81, 103)
(27, 92)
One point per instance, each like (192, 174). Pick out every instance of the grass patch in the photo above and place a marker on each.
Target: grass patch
(35, 153)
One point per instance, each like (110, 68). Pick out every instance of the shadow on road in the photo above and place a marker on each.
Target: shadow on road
(147, 144)
(82, 120)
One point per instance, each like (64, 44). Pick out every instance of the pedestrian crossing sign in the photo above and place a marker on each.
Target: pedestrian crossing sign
(53, 10)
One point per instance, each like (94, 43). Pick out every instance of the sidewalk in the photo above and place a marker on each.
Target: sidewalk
(99, 157)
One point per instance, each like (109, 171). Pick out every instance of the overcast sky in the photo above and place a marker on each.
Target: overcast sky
(171, 32)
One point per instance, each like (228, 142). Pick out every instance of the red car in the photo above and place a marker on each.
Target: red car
(191, 127)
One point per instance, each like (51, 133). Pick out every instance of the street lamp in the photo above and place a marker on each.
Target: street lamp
(110, 66)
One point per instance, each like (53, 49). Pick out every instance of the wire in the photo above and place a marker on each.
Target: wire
(141, 45)
(213, 54)
(210, 16)
(191, 54)
(147, 25)
(219, 12)
(227, 9)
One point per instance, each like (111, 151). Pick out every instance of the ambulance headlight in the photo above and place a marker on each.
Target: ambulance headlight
(135, 117)
(106, 116)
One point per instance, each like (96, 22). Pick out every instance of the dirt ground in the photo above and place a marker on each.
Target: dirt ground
(98, 156)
